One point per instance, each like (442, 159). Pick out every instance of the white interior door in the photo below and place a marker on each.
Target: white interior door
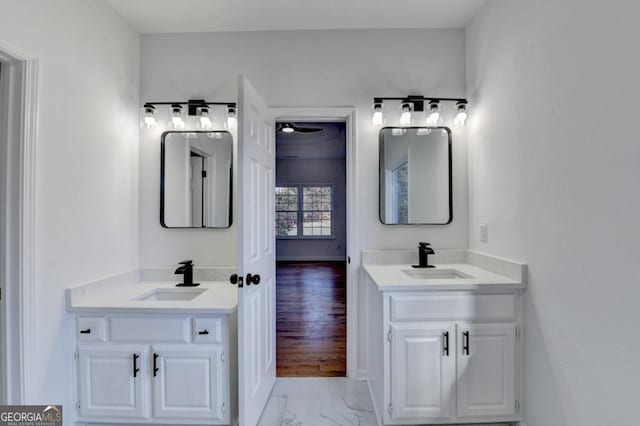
(256, 253)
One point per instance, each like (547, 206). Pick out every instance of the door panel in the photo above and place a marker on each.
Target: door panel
(422, 372)
(108, 387)
(256, 254)
(188, 382)
(487, 374)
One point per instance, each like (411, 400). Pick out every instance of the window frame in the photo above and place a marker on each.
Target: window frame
(300, 212)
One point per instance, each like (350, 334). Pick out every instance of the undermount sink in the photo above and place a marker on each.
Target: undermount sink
(435, 274)
(171, 294)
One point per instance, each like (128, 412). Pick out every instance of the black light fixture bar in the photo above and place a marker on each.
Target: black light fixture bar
(192, 104)
(418, 101)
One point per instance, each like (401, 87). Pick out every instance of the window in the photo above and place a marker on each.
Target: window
(304, 211)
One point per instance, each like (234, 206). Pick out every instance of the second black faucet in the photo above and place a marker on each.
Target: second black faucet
(187, 271)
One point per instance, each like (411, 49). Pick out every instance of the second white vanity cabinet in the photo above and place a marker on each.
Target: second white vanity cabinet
(442, 353)
(167, 369)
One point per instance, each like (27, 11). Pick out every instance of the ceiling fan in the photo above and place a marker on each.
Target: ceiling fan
(290, 128)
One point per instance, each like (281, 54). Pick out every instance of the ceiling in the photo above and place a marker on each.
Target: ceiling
(330, 143)
(171, 16)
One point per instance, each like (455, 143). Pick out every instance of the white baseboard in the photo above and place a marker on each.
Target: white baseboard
(361, 374)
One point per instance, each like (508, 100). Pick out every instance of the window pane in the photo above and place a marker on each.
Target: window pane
(286, 223)
(286, 198)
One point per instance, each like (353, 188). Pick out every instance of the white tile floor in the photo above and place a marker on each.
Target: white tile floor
(319, 402)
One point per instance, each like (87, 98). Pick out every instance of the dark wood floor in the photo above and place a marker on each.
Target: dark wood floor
(311, 319)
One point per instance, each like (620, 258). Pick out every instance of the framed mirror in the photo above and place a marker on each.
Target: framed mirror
(415, 176)
(196, 179)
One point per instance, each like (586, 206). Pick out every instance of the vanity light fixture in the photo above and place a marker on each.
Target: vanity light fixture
(377, 118)
(461, 116)
(204, 120)
(423, 131)
(405, 116)
(418, 104)
(433, 119)
(200, 109)
(231, 117)
(149, 116)
(177, 122)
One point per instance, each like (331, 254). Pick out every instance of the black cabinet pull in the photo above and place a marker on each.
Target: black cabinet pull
(203, 332)
(87, 331)
(135, 365)
(465, 343)
(445, 339)
(155, 365)
(253, 279)
(235, 279)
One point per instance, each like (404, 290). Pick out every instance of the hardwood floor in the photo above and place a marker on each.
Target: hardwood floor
(311, 319)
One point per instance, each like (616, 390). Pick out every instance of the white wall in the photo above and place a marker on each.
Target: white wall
(87, 163)
(292, 172)
(554, 172)
(307, 68)
(304, 68)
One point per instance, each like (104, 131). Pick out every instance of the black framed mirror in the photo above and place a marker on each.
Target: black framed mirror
(415, 176)
(196, 179)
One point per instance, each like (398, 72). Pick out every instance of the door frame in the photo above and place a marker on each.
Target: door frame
(348, 115)
(17, 221)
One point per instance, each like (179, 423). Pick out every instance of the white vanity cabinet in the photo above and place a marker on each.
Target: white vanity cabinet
(165, 369)
(444, 357)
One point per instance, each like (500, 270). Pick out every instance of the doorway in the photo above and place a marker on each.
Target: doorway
(311, 249)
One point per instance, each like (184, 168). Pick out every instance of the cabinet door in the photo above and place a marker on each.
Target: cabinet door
(422, 371)
(187, 382)
(108, 385)
(486, 370)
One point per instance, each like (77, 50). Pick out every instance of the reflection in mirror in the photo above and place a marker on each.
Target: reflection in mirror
(195, 187)
(415, 176)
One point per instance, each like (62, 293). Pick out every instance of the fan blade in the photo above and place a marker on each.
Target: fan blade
(308, 129)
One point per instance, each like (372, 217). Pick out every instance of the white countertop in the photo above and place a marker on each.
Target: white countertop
(218, 298)
(391, 277)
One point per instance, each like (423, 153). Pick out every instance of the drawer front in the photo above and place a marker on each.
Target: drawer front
(206, 330)
(91, 329)
(438, 307)
(148, 329)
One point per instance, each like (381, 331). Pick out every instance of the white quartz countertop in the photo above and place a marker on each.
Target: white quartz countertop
(217, 298)
(392, 277)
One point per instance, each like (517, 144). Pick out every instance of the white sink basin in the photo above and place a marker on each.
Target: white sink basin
(435, 274)
(171, 294)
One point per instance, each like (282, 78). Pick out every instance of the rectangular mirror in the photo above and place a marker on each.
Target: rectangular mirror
(415, 176)
(195, 179)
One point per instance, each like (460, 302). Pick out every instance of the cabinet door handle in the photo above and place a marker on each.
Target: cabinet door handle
(87, 331)
(155, 365)
(205, 332)
(465, 343)
(135, 365)
(445, 340)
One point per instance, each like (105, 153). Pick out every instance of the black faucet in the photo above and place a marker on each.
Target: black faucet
(424, 250)
(187, 270)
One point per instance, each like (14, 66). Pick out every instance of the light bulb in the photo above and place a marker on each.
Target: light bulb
(287, 128)
(377, 114)
(205, 121)
(461, 116)
(177, 122)
(433, 119)
(149, 117)
(231, 117)
(405, 117)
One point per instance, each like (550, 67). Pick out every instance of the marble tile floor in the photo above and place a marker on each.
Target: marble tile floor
(319, 402)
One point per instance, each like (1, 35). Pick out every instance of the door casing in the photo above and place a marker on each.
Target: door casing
(18, 113)
(348, 116)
